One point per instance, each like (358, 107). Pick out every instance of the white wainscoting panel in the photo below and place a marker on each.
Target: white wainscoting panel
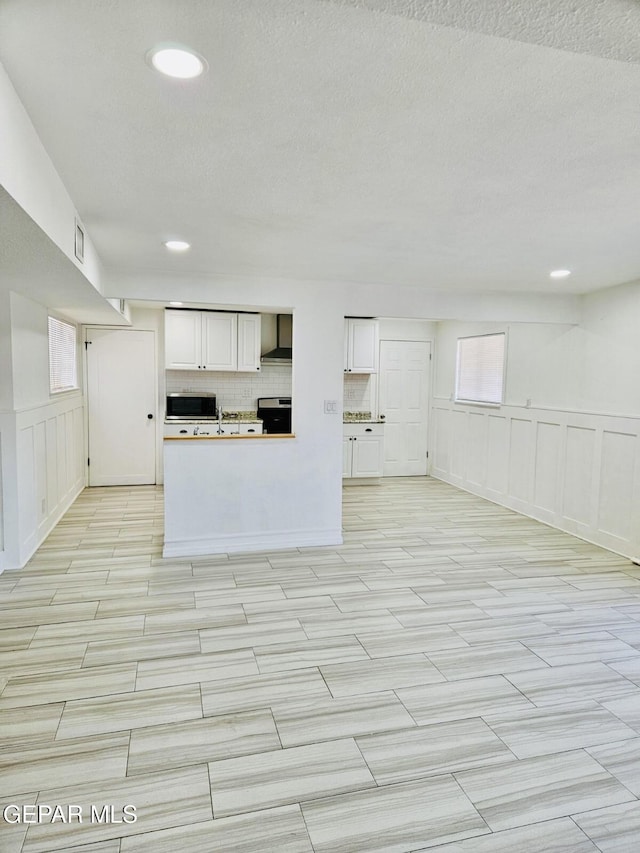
(50, 470)
(577, 471)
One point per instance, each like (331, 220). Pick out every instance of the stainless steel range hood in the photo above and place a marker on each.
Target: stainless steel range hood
(282, 354)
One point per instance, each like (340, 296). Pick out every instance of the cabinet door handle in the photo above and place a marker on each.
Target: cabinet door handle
(368, 429)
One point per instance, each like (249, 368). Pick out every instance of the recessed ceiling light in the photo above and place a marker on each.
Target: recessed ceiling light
(559, 273)
(177, 245)
(176, 62)
(176, 303)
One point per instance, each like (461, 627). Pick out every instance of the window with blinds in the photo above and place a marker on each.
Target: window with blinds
(480, 369)
(63, 375)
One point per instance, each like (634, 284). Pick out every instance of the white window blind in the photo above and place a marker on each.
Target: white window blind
(62, 356)
(480, 369)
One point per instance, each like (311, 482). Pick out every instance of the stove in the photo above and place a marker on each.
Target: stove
(275, 414)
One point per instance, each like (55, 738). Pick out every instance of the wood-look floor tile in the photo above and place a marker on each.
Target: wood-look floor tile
(581, 648)
(330, 719)
(91, 629)
(32, 724)
(239, 595)
(162, 800)
(262, 691)
(622, 760)
(24, 617)
(332, 588)
(48, 765)
(615, 829)
(538, 789)
(494, 576)
(14, 639)
(12, 836)
(488, 659)
(552, 836)
(250, 635)
(385, 599)
(458, 700)
(32, 661)
(419, 617)
(371, 676)
(400, 756)
(495, 630)
(304, 653)
(68, 685)
(571, 683)
(194, 619)
(142, 604)
(334, 624)
(628, 667)
(392, 819)
(195, 668)
(208, 739)
(287, 776)
(409, 641)
(279, 830)
(122, 711)
(555, 729)
(142, 648)
(104, 592)
(627, 708)
(204, 584)
(290, 608)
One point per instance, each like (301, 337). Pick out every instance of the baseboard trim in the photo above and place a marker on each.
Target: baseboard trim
(263, 541)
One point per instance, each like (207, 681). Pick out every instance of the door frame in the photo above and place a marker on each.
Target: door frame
(430, 368)
(158, 394)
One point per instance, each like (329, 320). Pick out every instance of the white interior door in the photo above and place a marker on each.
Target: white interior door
(404, 398)
(121, 390)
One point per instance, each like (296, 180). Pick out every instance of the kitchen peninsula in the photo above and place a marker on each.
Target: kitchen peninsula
(247, 491)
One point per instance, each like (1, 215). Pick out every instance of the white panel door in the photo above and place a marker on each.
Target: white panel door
(404, 398)
(121, 390)
(219, 341)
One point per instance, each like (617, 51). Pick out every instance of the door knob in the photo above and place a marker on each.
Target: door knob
(150, 416)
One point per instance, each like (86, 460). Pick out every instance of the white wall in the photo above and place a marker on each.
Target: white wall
(29, 176)
(41, 439)
(571, 458)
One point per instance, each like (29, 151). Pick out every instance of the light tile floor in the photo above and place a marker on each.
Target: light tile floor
(454, 677)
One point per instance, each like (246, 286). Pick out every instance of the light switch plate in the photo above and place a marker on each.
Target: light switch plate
(331, 407)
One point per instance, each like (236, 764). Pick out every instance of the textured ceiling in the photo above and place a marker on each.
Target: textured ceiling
(606, 28)
(334, 141)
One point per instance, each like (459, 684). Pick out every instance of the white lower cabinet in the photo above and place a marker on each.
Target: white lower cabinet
(363, 450)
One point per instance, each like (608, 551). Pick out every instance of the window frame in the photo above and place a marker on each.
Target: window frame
(471, 402)
(67, 389)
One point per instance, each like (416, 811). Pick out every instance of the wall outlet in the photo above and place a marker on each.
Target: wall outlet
(331, 407)
(528, 402)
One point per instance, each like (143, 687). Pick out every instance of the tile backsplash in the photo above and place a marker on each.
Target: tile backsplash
(357, 392)
(234, 390)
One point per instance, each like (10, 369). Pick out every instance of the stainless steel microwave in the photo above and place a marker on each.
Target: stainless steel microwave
(188, 406)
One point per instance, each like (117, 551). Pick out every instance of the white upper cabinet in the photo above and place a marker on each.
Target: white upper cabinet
(360, 345)
(219, 340)
(212, 340)
(249, 330)
(183, 340)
